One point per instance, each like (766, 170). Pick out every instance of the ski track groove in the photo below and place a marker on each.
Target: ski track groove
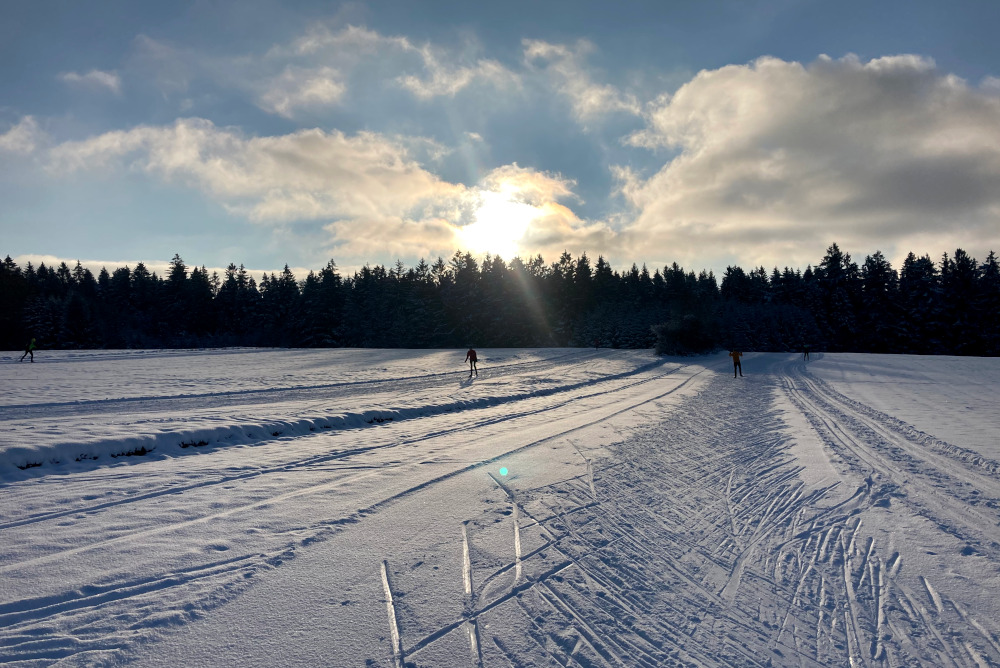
(891, 456)
(75, 611)
(917, 463)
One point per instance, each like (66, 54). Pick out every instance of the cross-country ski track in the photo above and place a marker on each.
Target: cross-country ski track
(347, 508)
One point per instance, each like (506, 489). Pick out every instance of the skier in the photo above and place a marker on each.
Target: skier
(736, 363)
(805, 353)
(29, 350)
(470, 357)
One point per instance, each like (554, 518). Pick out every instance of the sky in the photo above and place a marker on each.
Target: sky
(708, 133)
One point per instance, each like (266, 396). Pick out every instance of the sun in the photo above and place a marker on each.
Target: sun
(500, 223)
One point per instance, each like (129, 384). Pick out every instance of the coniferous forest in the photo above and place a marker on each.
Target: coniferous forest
(951, 306)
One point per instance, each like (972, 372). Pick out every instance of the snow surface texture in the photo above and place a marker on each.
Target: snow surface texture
(346, 508)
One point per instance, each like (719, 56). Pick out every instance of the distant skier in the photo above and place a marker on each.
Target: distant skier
(470, 357)
(29, 350)
(736, 355)
(805, 353)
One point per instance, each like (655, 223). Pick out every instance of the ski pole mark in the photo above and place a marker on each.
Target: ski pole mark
(932, 593)
(397, 646)
(466, 567)
(517, 545)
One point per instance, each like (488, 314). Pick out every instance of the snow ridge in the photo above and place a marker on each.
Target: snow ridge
(20, 461)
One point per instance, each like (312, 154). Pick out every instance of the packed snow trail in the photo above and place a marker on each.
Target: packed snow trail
(654, 513)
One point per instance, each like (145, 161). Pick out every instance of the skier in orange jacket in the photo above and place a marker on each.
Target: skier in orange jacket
(736, 363)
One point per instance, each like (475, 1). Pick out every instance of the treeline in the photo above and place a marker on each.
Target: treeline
(948, 307)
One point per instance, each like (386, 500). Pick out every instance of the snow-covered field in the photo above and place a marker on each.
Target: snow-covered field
(565, 508)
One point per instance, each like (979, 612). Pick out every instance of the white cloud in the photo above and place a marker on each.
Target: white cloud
(351, 41)
(306, 175)
(529, 185)
(22, 138)
(426, 71)
(447, 80)
(317, 67)
(377, 196)
(298, 87)
(94, 79)
(517, 210)
(361, 240)
(775, 160)
(566, 68)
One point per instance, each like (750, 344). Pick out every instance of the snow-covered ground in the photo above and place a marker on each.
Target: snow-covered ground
(564, 508)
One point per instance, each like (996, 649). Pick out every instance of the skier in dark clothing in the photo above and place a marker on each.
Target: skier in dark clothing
(736, 363)
(470, 357)
(29, 350)
(805, 353)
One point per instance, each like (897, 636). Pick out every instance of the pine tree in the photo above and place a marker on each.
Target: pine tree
(918, 295)
(879, 312)
(323, 303)
(960, 329)
(201, 314)
(988, 305)
(14, 292)
(838, 279)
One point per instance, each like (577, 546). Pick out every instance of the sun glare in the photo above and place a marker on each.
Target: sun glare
(500, 222)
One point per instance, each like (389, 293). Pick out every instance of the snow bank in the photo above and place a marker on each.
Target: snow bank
(77, 433)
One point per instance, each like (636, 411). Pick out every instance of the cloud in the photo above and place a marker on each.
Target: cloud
(23, 138)
(518, 211)
(448, 80)
(377, 197)
(323, 65)
(306, 175)
(279, 81)
(776, 160)
(353, 42)
(94, 79)
(565, 66)
(361, 240)
(317, 67)
(529, 185)
(379, 200)
(298, 87)
(512, 211)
